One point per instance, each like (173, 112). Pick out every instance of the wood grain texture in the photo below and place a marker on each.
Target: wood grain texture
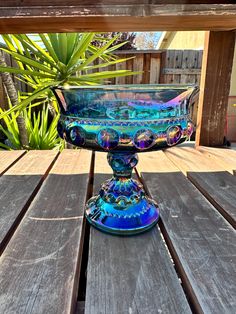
(180, 71)
(7, 158)
(18, 186)
(123, 17)
(146, 68)
(178, 62)
(19, 3)
(39, 269)
(188, 159)
(130, 274)
(155, 68)
(214, 88)
(201, 241)
(138, 66)
(226, 157)
(208, 175)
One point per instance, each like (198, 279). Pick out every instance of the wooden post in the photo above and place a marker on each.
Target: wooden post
(214, 87)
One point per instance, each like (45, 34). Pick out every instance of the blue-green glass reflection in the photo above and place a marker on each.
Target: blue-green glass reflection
(124, 120)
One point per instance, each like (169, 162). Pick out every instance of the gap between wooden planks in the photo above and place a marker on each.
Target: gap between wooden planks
(19, 185)
(200, 240)
(41, 264)
(8, 158)
(210, 177)
(125, 273)
(226, 157)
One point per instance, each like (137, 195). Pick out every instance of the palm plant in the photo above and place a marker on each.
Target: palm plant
(13, 96)
(59, 59)
(41, 134)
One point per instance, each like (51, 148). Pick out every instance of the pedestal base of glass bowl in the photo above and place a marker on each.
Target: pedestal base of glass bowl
(122, 206)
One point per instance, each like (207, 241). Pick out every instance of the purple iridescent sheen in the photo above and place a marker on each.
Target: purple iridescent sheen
(124, 120)
(144, 139)
(174, 134)
(77, 136)
(108, 139)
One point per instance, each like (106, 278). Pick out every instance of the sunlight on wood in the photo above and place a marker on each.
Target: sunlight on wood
(101, 165)
(33, 163)
(9, 157)
(57, 218)
(155, 162)
(191, 160)
(73, 162)
(226, 157)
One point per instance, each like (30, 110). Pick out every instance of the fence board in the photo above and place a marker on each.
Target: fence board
(175, 68)
(178, 59)
(129, 66)
(155, 68)
(120, 80)
(138, 66)
(146, 68)
(170, 55)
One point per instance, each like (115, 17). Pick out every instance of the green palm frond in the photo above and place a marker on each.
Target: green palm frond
(59, 59)
(41, 133)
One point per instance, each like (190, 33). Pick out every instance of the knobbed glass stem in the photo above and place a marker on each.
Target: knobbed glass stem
(122, 164)
(121, 190)
(122, 207)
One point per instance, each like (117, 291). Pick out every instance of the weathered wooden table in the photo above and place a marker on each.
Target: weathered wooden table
(53, 262)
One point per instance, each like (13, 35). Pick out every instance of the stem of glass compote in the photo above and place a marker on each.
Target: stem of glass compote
(122, 207)
(121, 190)
(122, 163)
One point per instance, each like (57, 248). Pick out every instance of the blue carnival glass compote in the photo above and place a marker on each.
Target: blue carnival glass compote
(123, 121)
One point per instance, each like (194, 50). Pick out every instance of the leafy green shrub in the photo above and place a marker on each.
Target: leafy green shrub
(59, 59)
(42, 134)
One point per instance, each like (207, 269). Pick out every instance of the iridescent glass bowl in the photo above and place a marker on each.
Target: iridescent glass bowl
(123, 121)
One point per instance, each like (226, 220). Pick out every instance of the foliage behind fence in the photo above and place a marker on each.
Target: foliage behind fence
(161, 66)
(158, 66)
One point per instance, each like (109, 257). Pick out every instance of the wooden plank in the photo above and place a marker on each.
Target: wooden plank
(130, 274)
(193, 63)
(188, 65)
(155, 68)
(170, 60)
(178, 59)
(129, 66)
(231, 120)
(201, 242)
(182, 71)
(112, 17)
(189, 159)
(226, 157)
(120, 80)
(40, 267)
(136, 52)
(19, 3)
(146, 68)
(162, 66)
(138, 66)
(80, 307)
(184, 65)
(199, 65)
(18, 187)
(208, 175)
(214, 88)
(8, 158)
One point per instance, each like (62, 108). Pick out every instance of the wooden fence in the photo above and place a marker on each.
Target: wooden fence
(157, 66)
(160, 66)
